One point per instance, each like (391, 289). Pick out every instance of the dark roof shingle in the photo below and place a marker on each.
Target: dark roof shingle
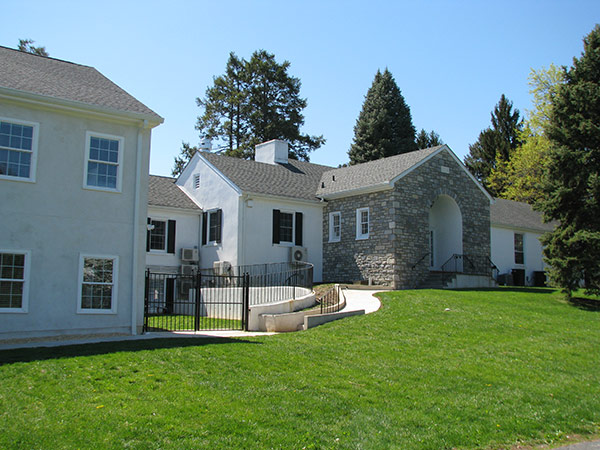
(296, 179)
(65, 80)
(371, 173)
(162, 191)
(518, 215)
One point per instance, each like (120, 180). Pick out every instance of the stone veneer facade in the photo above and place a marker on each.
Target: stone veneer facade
(399, 226)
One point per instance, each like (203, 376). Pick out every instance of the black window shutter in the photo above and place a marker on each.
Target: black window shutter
(171, 237)
(299, 228)
(220, 225)
(204, 227)
(149, 222)
(275, 226)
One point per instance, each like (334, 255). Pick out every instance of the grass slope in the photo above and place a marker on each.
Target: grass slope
(501, 367)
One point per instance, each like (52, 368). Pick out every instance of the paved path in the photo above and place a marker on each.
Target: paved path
(589, 445)
(355, 300)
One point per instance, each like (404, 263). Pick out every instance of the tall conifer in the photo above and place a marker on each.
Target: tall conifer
(384, 126)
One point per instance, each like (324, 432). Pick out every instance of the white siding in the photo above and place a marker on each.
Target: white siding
(57, 220)
(503, 251)
(215, 192)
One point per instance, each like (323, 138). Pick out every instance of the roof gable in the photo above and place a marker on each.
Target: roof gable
(163, 192)
(57, 79)
(294, 180)
(380, 174)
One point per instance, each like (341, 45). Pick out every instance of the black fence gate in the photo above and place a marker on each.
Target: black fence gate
(175, 302)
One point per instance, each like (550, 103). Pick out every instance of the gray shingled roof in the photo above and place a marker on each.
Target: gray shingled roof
(518, 215)
(162, 191)
(369, 174)
(65, 80)
(297, 179)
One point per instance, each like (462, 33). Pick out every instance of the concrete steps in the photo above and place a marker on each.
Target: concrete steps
(437, 280)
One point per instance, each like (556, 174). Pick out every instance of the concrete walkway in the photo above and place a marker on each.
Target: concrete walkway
(355, 300)
(361, 299)
(589, 445)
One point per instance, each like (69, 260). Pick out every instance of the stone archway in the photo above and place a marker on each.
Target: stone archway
(445, 232)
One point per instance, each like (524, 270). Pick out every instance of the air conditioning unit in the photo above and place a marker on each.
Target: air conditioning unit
(298, 254)
(188, 269)
(221, 267)
(189, 254)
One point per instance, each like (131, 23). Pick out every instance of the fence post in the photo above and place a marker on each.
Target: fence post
(246, 302)
(197, 302)
(146, 293)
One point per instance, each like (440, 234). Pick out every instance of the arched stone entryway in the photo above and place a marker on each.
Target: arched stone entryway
(445, 232)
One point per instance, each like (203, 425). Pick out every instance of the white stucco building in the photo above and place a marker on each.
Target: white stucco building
(257, 212)
(515, 234)
(74, 152)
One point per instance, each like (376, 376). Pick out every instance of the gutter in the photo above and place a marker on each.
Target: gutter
(78, 107)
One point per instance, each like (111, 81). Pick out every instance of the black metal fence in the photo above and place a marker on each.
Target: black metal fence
(331, 301)
(220, 299)
(195, 302)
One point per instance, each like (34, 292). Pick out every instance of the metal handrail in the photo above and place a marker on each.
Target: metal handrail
(419, 261)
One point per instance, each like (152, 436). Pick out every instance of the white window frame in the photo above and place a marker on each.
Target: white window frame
(115, 284)
(166, 222)
(209, 213)
(26, 271)
(359, 234)
(119, 163)
(34, 150)
(332, 234)
(293, 241)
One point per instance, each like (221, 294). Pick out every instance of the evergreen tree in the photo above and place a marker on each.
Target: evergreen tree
(572, 181)
(185, 154)
(255, 101)
(496, 143)
(384, 126)
(428, 140)
(26, 45)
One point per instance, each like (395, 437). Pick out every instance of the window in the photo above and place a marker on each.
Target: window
(158, 235)
(196, 181)
(14, 276)
(335, 226)
(211, 227)
(287, 227)
(362, 223)
(18, 145)
(519, 255)
(161, 235)
(98, 284)
(102, 169)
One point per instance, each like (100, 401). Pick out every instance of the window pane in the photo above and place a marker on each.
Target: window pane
(158, 235)
(286, 225)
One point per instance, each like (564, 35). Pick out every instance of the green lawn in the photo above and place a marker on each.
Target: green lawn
(500, 368)
(181, 322)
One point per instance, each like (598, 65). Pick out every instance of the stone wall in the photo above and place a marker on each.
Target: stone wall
(396, 252)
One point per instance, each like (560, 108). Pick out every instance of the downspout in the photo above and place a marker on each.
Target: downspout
(241, 232)
(136, 230)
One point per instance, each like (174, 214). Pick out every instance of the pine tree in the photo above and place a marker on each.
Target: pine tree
(428, 140)
(384, 126)
(26, 45)
(572, 181)
(255, 101)
(496, 143)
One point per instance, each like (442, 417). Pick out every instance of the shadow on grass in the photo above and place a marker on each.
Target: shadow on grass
(101, 348)
(529, 290)
(587, 304)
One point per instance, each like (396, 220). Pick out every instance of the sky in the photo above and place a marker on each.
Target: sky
(452, 60)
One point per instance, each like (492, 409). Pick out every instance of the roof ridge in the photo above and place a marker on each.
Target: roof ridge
(47, 57)
(163, 176)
